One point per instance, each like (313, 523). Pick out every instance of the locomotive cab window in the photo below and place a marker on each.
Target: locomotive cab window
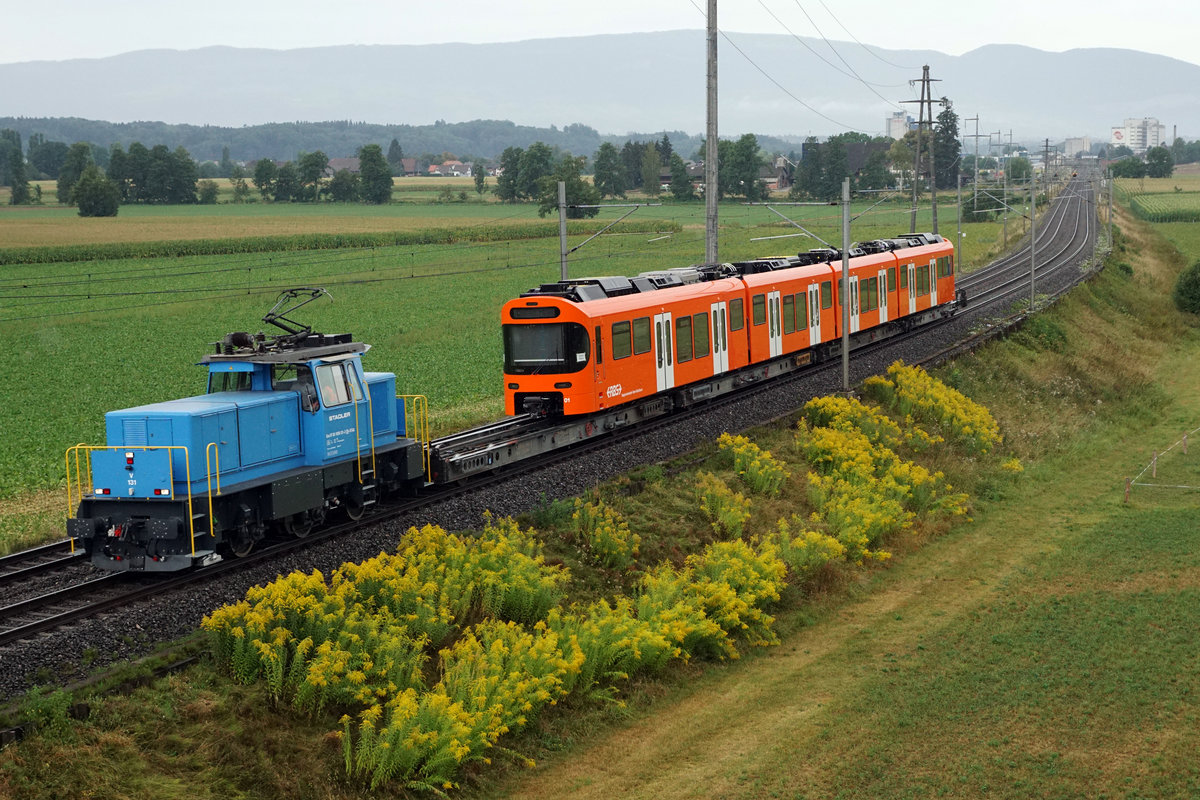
(228, 382)
(550, 349)
(622, 346)
(295, 378)
(331, 380)
(826, 294)
(737, 316)
(758, 305)
(641, 335)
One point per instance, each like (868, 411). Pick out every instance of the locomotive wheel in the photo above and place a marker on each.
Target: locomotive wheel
(298, 525)
(354, 507)
(241, 546)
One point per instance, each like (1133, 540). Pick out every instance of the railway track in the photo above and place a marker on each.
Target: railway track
(25, 564)
(1064, 238)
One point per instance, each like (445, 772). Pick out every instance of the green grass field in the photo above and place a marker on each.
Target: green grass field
(1045, 648)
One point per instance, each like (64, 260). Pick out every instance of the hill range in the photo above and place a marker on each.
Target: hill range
(615, 84)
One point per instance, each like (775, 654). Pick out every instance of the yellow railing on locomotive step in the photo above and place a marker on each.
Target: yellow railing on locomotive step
(80, 467)
(416, 409)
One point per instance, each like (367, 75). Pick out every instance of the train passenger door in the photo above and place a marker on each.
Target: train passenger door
(775, 323)
(912, 288)
(854, 304)
(883, 296)
(664, 353)
(814, 314)
(933, 276)
(720, 338)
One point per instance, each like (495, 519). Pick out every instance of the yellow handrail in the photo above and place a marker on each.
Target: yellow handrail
(187, 465)
(212, 529)
(416, 407)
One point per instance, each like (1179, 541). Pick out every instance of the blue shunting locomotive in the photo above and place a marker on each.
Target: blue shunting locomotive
(290, 430)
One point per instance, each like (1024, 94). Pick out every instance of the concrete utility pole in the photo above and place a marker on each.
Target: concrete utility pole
(845, 298)
(711, 145)
(958, 242)
(1032, 237)
(562, 230)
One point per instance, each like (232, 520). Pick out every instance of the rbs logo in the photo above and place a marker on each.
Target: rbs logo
(614, 390)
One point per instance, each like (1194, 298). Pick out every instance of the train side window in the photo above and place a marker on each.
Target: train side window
(826, 294)
(758, 305)
(737, 316)
(700, 334)
(949, 265)
(904, 276)
(622, 344)
(789, 313)
(801, 311)
(331, 380)
(683, 339)
(891, 282)
(922, 280)
(641, 335)
(873, 292)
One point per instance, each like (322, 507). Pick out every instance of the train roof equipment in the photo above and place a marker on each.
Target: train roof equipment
(582, 290)
(297, 343)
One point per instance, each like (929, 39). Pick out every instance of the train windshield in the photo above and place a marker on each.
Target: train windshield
(552, 348)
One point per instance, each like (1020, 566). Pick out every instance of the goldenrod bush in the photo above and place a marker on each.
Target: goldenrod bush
(726, 510)
(910, 391)
(604, 535)
(734, 583)
(757, 468)
(804, 551)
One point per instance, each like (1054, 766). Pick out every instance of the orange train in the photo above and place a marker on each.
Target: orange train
(665, 339)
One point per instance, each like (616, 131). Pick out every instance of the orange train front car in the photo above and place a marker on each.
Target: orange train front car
(588, 345)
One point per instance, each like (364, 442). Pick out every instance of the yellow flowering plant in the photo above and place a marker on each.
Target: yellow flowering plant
(757, 468)
(604, 535)
(725, 509)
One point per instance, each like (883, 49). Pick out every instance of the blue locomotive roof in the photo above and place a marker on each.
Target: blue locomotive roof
(206, 403)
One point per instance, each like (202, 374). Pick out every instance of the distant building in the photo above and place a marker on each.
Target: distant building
(337, 164)
(1139, 135)
(898, 124)
(1076, 146)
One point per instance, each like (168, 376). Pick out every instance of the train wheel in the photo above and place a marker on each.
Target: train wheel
(241, 546)
(298, 525)
(354, 506)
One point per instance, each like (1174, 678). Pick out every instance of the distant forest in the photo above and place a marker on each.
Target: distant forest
(284, 141)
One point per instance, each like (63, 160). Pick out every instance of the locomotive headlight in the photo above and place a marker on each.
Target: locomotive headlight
(128, 456)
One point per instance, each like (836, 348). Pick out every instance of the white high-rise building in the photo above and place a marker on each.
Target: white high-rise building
(898, 124)
(1139, 135)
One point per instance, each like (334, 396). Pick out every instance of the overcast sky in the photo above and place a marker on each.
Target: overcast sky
(63, 29)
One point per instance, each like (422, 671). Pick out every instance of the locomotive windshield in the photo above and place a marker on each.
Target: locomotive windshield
(552, 348)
